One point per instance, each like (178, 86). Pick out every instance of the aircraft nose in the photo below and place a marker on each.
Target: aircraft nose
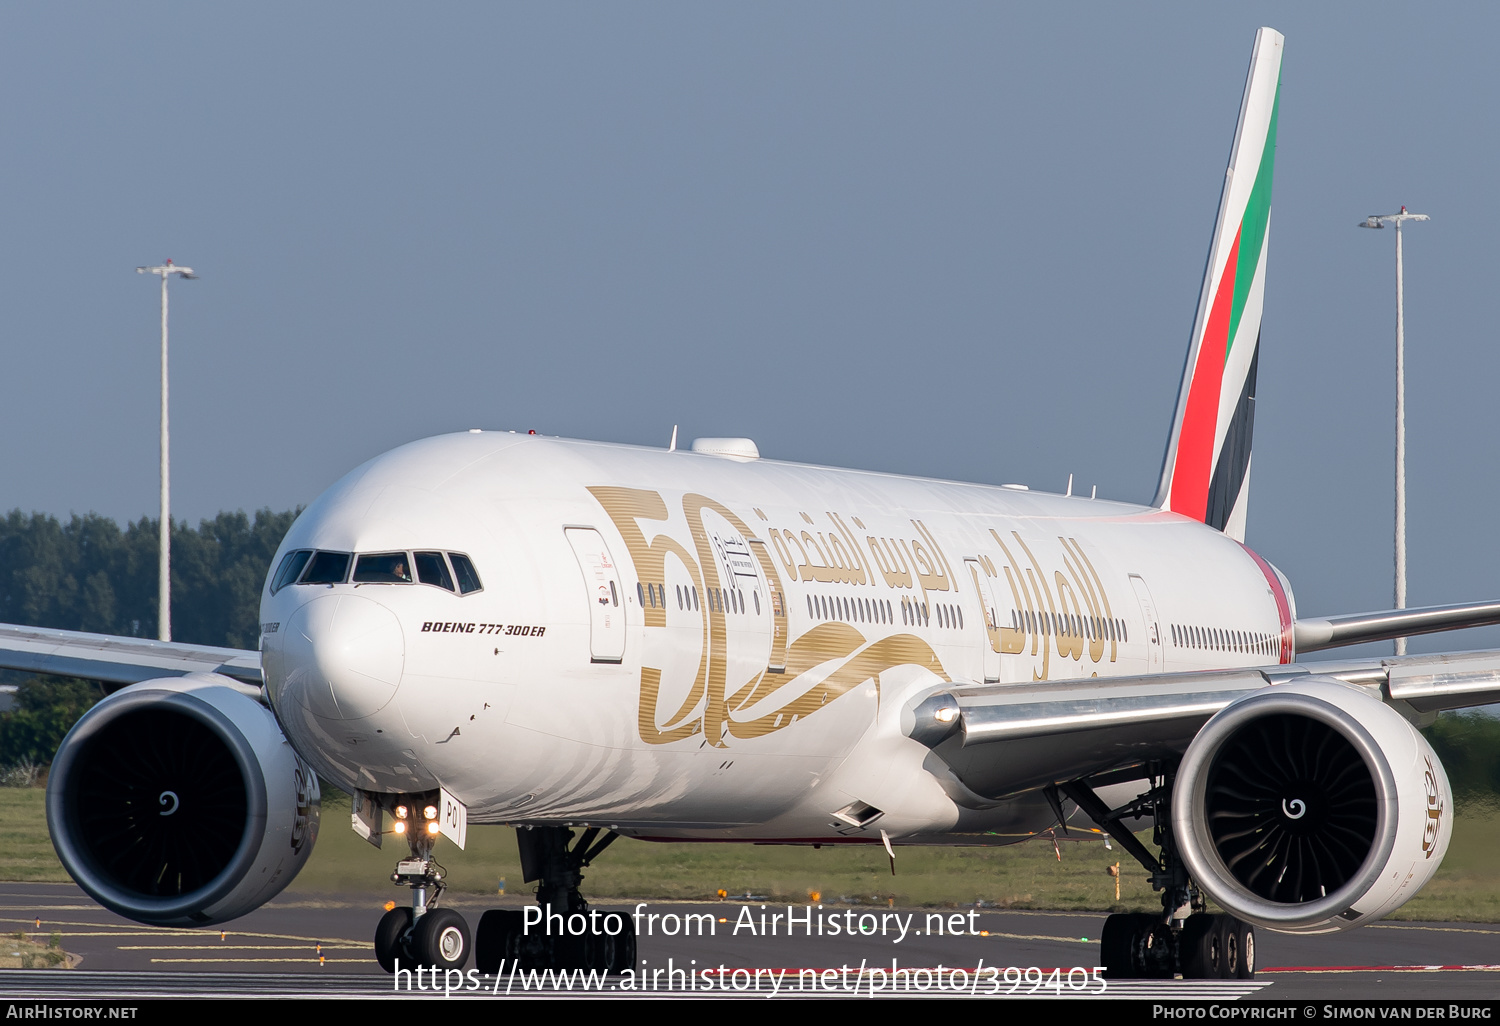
(342, 657)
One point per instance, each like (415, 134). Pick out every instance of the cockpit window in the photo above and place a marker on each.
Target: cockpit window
(433, 569)
(383, 568)
(468, 580)
(319, 567)
(291, 565)
(327, 568)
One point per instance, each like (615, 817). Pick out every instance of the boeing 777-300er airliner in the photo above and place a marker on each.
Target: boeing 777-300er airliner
(589, 641)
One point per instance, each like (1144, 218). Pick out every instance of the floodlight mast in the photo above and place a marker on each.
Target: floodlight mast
(164, 564)
(1380, 221)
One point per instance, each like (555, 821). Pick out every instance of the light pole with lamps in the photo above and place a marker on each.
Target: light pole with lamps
(164, 565)
(1380, 221)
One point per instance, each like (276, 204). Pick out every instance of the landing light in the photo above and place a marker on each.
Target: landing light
(400, 827)
(401, 812)
(432, 828)
(430, 812)
(947, 714)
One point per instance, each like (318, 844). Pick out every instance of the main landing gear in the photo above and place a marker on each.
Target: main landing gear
(1183, 938)
(561, 931)
(422, 935)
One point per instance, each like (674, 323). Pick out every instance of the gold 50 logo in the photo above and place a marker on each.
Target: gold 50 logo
(751, 677)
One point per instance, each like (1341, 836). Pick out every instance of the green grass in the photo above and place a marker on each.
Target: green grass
(25, 847)
(1028, 875)
(23, 950)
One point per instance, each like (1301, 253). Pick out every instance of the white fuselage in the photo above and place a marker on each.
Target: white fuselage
(684, 645)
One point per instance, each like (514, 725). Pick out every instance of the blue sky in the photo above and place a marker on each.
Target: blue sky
(955, 240)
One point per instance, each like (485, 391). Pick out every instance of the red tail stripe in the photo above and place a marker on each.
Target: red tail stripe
(1200, 421)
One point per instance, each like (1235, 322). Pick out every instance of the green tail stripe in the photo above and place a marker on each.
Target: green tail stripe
(1253, 225)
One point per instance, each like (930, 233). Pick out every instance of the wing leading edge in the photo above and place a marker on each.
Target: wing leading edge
(117, 660)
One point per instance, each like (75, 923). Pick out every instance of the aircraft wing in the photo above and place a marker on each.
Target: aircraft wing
(117, 660)
(1317, 633)
(1003, 739)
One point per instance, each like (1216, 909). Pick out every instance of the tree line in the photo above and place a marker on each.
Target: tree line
(89, 574)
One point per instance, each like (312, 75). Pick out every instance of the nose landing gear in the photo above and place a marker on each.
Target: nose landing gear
(422, 935)
(560, 932)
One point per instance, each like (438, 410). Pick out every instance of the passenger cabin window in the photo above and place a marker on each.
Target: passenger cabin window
(383, 568)
(432, 569)
(291, 565)
(327, 568)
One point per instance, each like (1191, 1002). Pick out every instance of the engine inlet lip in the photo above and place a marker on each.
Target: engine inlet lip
(61, 820)
(1189, 806)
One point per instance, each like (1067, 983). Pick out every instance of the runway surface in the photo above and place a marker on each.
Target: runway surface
(305, 947)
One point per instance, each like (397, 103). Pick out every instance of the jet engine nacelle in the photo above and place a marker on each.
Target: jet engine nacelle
(178, 802)
(1311, 807)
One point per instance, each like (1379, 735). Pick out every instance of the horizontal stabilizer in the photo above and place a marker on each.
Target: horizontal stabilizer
(1315, 634)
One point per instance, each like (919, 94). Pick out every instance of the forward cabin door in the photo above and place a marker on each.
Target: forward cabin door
(606, 595)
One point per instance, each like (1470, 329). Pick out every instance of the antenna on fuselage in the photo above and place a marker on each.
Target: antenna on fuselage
(673, 446)
(1070, 484)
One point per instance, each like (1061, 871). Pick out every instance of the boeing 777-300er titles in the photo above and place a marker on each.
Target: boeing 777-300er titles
(567, 636)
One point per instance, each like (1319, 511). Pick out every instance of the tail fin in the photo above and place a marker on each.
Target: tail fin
(1206, 471)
